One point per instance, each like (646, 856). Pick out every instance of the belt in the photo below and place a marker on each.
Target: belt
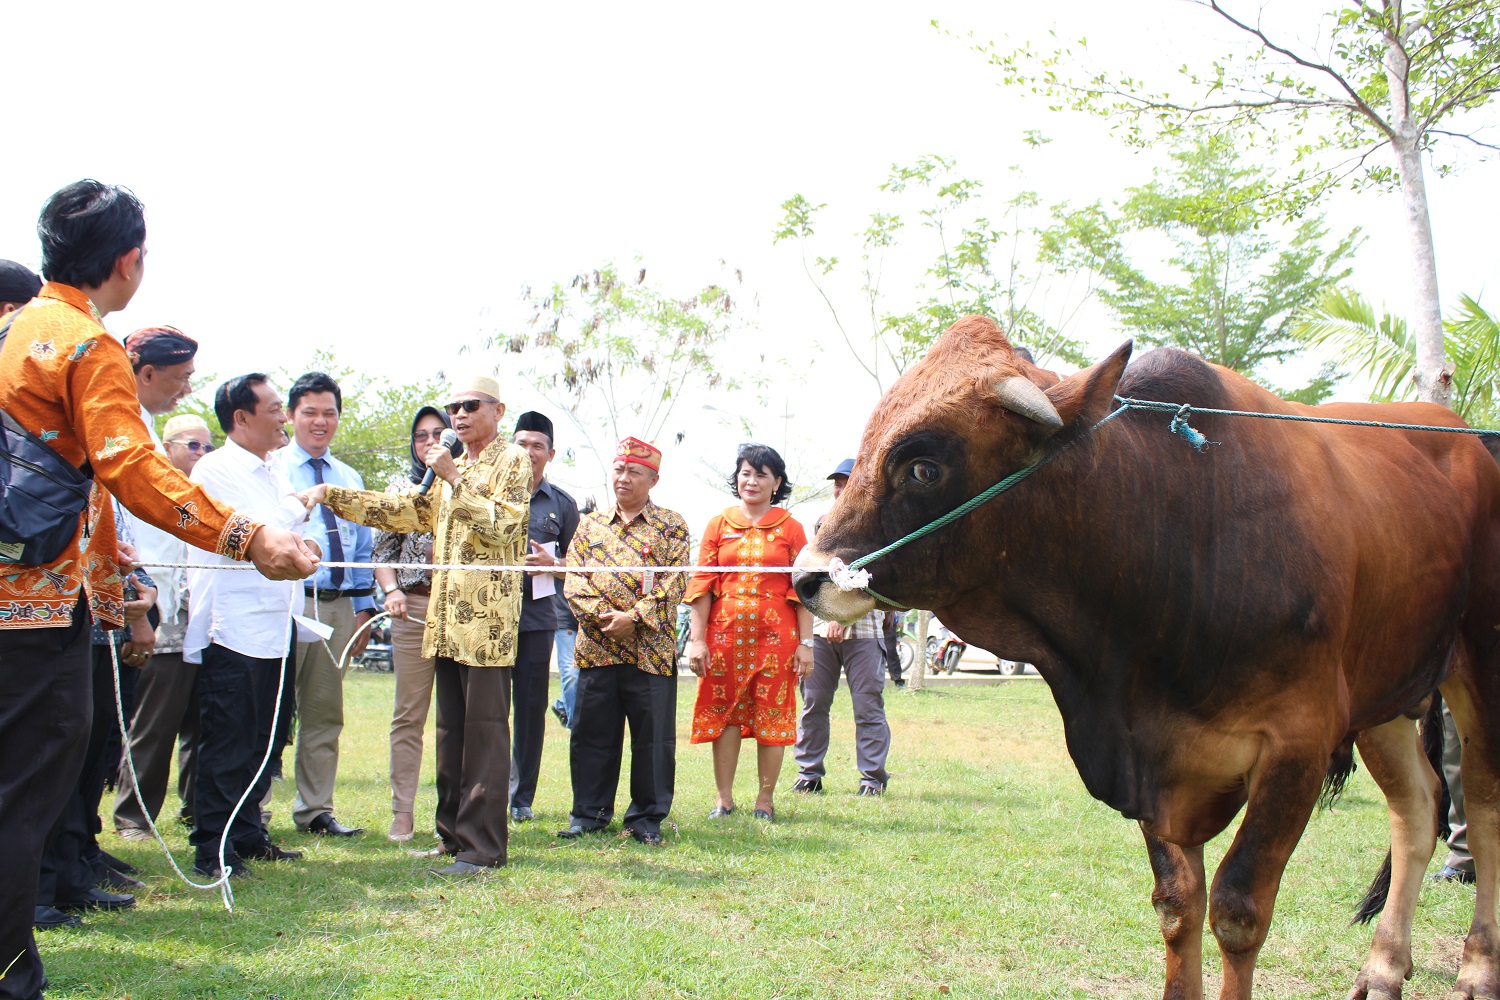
(334, 595)
(420, 589)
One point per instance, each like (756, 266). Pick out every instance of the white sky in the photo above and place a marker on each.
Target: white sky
(382, 179)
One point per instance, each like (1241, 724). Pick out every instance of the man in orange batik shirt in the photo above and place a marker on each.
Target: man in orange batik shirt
(67, 383)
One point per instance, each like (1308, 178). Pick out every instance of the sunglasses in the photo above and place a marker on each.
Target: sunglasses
(194, 446)
(467, 405)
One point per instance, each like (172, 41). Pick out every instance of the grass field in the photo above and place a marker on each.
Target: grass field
(987, 871)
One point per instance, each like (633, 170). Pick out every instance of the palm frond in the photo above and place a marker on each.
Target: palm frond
(1381, 349)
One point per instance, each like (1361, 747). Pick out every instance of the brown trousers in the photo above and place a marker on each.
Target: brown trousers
(473, 760)
(413, 699)
(166, 707)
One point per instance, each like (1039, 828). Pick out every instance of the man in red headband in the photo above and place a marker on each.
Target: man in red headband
(627, 651)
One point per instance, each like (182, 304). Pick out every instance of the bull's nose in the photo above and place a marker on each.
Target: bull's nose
(806, 584)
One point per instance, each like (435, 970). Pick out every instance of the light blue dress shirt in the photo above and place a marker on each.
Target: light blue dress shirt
(358, 541)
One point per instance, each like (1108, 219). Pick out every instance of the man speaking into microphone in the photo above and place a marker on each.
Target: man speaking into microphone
(477, 510)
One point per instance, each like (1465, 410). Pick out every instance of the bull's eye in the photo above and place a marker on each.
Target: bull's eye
(925, 473)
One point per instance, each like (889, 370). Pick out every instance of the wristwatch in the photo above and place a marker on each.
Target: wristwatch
(805, 642)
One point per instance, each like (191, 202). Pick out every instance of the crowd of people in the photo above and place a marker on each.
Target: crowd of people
(126, 573)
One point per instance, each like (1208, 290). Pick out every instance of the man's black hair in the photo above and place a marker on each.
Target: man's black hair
(85, 228)
(762, 458)
(237, 394)
(314, 382)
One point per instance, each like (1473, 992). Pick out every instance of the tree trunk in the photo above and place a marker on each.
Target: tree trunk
(1433, 373)
(918, 679)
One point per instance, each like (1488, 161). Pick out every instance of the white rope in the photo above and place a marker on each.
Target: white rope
(222, 882)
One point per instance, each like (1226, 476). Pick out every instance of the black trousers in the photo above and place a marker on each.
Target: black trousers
(473, 767)
(608, 698)
(71, 863)
(46, 703)
(893, 655)
(528, 700)
(236, 699)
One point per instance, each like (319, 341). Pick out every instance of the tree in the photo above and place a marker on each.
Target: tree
(1389, 74)
(1384, 350)
(1237, 286)
(1000, 269)
(616, 355)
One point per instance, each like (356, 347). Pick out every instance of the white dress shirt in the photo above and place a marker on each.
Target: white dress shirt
(239, 609)
(157, 547)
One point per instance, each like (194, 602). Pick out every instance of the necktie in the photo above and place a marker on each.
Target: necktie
(335, 543)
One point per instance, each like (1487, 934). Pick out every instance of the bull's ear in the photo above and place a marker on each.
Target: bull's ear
(1088, 396)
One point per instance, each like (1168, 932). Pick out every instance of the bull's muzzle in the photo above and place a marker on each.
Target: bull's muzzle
(819, 595)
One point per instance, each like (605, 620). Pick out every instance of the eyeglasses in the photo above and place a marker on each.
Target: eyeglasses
(467, 405)
(194, 446)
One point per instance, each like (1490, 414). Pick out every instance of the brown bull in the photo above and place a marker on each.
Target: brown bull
(1217, 628)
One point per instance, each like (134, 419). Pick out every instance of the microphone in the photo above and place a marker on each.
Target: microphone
(448, 440)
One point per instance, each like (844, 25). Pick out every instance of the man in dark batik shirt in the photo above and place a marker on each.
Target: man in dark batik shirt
(627, 651)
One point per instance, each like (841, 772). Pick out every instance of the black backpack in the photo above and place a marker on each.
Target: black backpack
(41, 493)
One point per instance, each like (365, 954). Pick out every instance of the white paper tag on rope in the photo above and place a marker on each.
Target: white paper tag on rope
(648, 582)
(546, 585)
(309, 630)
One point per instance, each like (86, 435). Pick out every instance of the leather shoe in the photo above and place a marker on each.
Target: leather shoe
(1447, 874)
(119, 880)
(210, 869)
(459, 869)
(869, 788)
(432, 852)
(811, 786)
(575, 831)
(123, 867)
(50, 918)
(521, 814)
(98, 899)
(270, 852)
(647, 837)
(719, 812)
(326, 825)
(769, 815)
(560, 711)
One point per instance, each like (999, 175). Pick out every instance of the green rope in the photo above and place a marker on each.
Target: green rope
(1160, 407)
(1181, 412)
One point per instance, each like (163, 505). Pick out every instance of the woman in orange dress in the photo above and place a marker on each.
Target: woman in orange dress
(751, 638)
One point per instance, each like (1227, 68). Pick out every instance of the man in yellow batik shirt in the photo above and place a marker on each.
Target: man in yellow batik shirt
(477, 513)
(627, 651)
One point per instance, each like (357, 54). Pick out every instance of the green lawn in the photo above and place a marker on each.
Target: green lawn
(985, 872)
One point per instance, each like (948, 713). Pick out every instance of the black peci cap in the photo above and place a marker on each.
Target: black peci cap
(18, 283)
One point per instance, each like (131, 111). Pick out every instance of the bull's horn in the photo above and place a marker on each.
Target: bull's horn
(1019, 395)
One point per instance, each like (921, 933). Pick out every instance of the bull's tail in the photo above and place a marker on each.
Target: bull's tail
(1432, 746)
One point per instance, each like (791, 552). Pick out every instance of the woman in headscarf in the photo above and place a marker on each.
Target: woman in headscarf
(406, 594)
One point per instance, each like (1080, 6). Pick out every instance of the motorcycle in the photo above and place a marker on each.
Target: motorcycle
(944, 649)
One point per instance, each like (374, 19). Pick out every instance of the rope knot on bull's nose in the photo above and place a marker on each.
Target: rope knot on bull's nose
(845, 578)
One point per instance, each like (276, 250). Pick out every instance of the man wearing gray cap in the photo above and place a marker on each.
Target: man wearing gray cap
(855, 650)
(18, 286)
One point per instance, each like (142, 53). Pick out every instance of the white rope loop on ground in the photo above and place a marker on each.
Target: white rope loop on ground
(222, 882)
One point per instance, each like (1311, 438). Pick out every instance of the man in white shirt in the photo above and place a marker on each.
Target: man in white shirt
(239, 630)
(162, 358)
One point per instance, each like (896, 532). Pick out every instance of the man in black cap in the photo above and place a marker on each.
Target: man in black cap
(554, 518)
(18, 286)
(857, 652)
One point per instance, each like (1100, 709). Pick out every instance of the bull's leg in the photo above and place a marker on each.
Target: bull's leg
(1479, 972)
(1283, 791)
(1181, 900)
(1393, 755)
